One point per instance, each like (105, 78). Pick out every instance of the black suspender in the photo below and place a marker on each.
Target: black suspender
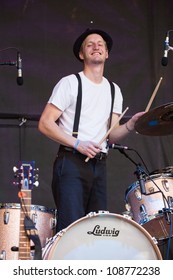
(78, 107)
(79, 102)
(112, 103)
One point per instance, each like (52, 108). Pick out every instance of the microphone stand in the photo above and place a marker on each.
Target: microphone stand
(138, 172)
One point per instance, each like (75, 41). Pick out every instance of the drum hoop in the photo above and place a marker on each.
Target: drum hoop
(159, 176)
(33, 207)
(148, 179)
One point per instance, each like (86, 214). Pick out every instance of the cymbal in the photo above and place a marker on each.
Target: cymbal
(156, 122)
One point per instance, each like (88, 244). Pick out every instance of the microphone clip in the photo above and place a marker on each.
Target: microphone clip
(140, 178)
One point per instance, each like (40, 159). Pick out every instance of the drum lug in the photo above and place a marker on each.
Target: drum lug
(143, 214)
(3, 255)
(34, 218)
(6, 217)
(127, 215)
(165, 185)
(53, 223)
(91, 214)
(103, 212)
(60, 233)
(138, 194)
(154, 240)
(128, 207)
(53, 220)
(170, 201)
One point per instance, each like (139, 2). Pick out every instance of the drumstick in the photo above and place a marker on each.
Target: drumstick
(153, 95)
(108, 132)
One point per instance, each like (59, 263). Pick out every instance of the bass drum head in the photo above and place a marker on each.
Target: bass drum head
(102, 236)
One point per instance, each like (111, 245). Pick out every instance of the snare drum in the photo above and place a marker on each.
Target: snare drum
(102, 236)
(43, 218)
(152, 210)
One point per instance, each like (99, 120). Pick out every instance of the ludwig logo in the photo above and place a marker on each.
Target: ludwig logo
(98, 231)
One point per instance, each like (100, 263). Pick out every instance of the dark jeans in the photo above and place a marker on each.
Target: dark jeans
(78, 187)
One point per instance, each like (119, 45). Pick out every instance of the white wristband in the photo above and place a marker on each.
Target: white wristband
(76, 144)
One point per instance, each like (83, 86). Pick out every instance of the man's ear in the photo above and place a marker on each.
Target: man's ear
(81, 55)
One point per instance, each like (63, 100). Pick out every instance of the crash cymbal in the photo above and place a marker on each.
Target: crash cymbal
(156, 122)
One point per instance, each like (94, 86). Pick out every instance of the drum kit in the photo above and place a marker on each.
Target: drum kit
(105, 235)
(136, 233)
(152, 208)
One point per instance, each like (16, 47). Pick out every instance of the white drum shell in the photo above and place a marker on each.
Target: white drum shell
(102, 236)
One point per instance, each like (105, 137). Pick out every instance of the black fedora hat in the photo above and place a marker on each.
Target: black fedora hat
(81, 38)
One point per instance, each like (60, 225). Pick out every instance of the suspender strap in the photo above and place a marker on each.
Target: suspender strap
(112, 104)
(78, 107)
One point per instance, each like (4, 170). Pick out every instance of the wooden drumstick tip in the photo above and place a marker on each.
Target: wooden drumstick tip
(87, 159)
(153, 95)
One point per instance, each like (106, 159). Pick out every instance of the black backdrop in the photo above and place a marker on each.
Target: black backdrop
(44, 32)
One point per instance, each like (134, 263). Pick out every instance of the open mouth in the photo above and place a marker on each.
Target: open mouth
(96, 53)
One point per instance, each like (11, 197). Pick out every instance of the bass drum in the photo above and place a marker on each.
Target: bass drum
(102, 236)
(154, 209)
(43, 218)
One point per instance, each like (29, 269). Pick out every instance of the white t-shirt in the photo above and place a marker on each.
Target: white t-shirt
(95, 110)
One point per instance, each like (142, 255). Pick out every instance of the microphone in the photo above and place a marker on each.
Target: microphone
(142, 184)
(19, 69)
(166, 50)
(118, 147)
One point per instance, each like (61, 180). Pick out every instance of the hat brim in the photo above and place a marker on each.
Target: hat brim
(78, 43)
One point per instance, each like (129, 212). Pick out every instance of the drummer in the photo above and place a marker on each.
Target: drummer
(79, 187)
